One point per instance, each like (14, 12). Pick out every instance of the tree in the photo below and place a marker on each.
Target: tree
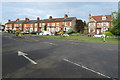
(45, 27)
(116, 25)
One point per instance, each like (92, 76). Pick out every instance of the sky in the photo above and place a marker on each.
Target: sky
(32, 10)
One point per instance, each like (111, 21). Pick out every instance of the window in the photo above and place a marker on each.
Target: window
(52, 29)
(36, 25)
(105, 24)
(53, 24)
(66, 23)
(57, 28)
(104, 18)
(48, 29)
(31, 29)
(57, 24)
(31, 25)
(35, 29)
(48, 24)
(91, 24)
(43, 24)
(42, 28)
(63, 23)
(91, 30)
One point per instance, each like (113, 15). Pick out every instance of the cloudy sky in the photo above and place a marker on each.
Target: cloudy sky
(13, 10)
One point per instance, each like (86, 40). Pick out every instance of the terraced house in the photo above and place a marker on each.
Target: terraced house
(51, 24)
(99, 24)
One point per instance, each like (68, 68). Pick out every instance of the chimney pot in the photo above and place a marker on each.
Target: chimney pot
(9, 20)
(38, 18)
(50, 17)
(66, 16)
(17, 19)
(26, 19)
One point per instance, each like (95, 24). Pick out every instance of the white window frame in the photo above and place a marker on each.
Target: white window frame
(53, 24)
(57, 24)
(48, 24)
(52, 29)
(48, 29)
(35, 25)
(104, 18)
(66, 23)
(57, 28)
(91, 24)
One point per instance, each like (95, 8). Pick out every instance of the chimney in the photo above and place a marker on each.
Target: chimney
(38, 18)
(90, 16)
(9, 20)
(26, 19)
(66, 16)
(50, 17)
(17, 19)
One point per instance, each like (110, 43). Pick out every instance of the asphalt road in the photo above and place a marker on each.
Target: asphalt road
(57, 58)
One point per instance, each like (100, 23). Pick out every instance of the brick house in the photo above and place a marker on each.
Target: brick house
(19, 24)
(99, 24)
(51, 24)
(9, 25)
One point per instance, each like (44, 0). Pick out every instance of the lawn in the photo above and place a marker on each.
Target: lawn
(84, 39)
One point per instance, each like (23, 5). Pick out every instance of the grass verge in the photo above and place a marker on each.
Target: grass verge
(83, 39)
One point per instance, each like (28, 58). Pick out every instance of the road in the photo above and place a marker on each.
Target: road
(57, 58)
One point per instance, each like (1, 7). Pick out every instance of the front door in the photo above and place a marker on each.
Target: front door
(98, 31)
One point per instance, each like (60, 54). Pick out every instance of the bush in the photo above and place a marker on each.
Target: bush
(108, 33)
(69, 31)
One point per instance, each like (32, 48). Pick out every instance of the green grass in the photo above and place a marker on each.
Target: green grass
(83, 39)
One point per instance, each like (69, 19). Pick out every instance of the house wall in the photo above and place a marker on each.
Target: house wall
(17, 25)
(8, 25)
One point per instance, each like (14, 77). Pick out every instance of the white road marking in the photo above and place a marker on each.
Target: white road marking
(86, 68)
(24, 55)
(50, 43)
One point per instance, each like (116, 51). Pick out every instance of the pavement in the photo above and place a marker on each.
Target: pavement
(57, 58)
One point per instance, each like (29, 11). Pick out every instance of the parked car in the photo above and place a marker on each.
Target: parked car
(65, 34)
(99, 35)
(45, 33)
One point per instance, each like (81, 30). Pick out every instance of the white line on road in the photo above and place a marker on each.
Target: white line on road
(24, 55)
(86, 68)
(50, 43)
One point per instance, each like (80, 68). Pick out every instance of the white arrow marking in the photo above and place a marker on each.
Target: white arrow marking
(24, 55)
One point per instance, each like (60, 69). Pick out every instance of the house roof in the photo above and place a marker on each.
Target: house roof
(20, 21)
(11, 22)
(30, 21)
(43, 21)
(58, 19)
(99, 18)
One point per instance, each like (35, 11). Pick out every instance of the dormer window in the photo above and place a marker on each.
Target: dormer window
(104, 18)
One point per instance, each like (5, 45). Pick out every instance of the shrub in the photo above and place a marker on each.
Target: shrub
(69, 31)
(108, 33)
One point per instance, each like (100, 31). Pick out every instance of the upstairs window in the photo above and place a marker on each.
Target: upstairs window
(57, 24)
(104, 18)
(48, 24)
(53, 24)
(91, 24)
(66, 24)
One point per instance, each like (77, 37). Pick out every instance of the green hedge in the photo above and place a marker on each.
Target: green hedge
(108, 33)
